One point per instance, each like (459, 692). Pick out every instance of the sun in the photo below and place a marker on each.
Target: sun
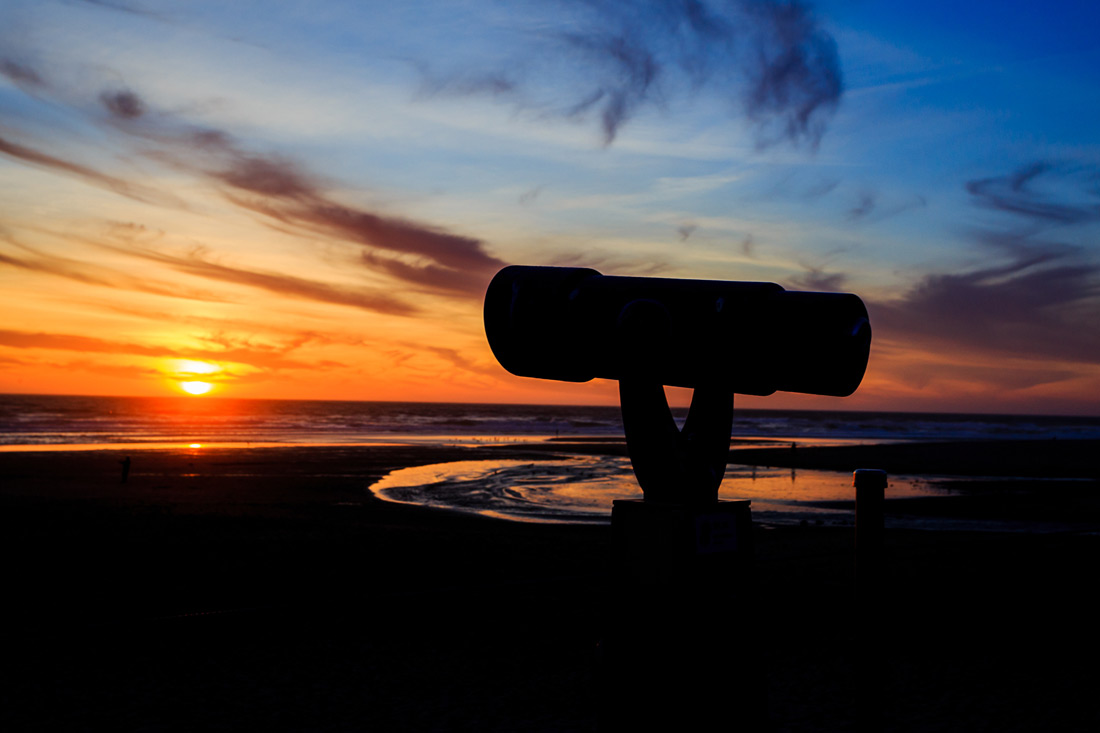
(194, 377)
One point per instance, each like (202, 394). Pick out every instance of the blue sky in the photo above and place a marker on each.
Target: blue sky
(311, 196)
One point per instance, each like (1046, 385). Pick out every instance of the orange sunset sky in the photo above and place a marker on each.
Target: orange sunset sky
(307, 200)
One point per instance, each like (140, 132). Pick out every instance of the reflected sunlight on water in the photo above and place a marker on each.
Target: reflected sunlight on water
(581, 489)
(573, 489)
(784, 495)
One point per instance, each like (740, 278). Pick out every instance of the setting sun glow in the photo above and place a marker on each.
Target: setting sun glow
(193, 377)
(189, 366)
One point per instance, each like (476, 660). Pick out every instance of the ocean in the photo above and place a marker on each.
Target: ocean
(563, 487)
(42, 421)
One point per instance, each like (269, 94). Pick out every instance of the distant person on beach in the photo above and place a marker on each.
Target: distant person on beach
(125, 468)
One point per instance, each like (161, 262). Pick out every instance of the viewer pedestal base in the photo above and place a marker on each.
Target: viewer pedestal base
(680, 651)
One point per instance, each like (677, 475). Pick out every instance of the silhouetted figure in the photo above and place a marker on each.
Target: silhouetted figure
(125, 468)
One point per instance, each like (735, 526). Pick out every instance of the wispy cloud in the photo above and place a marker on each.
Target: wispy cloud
(21, 74)
(771, 61)
(123, 239)
(816, 279)
(459, 360)
(871, 207)
(231, 331)
(1015, 194)
(748, 246)
(96, 274)
(1025, 308)
(287, 195)
(1035, 302)
(866, 205)
(797, 79)
(997, 376)
(73, 342)
(123, 104)
(259, 358)
(196, 263)
(611, 263)
(87, 173)
(129, 8)
(686, 230)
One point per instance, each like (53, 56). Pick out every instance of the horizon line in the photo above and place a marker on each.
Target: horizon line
(208, 398)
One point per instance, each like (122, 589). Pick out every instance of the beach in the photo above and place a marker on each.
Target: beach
(219, 588)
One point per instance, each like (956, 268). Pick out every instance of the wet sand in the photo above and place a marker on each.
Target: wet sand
(266, 587)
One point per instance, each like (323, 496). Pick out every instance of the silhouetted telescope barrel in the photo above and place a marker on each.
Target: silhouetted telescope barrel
(574, 324)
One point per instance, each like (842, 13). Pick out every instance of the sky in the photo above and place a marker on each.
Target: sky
(308, 199)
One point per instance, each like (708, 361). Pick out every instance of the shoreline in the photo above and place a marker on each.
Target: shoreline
(1044, 481)
(1015, 458)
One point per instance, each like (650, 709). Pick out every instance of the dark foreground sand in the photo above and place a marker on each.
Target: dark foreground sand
(224, 589)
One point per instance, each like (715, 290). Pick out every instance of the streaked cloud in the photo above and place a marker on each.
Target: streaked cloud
(1015, 194)
(1033, 300)
(772, 62)
(91, 273)
(121, 7)
(816, 279)
(22, 74)
(1027, 307)
(281, 190)
(265, 358)
(86, 173)
(197, 263)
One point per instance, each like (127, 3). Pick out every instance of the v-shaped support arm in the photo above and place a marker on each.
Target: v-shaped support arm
(672, 465)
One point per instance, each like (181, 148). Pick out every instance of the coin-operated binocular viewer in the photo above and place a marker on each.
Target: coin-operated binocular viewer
(574, 324)
(678, 551)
